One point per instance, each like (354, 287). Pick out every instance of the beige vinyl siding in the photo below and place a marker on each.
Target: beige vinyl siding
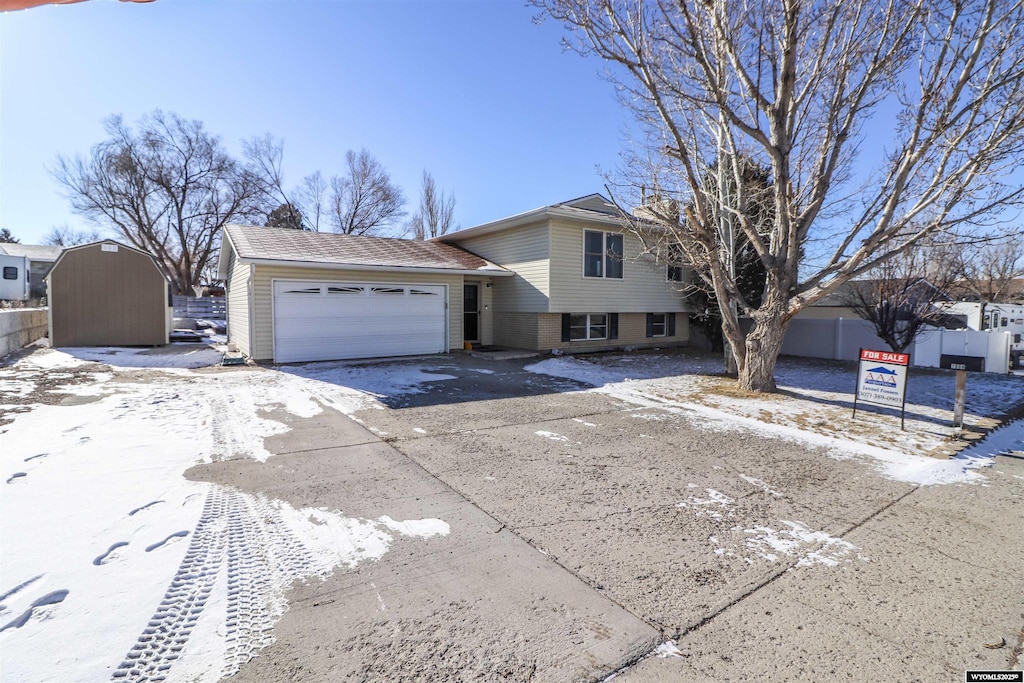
(238, 305)
(525, 251)
(263, 320)
(642, 289)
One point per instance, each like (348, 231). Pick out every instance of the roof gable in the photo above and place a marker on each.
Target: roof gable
(593, 202)
(64, 252)
(592, 208)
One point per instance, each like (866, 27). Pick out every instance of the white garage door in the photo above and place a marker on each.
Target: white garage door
(337, 320)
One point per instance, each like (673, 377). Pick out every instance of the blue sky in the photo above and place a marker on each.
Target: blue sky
(474, 92)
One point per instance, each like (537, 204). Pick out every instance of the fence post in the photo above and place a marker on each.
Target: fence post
(838, 340)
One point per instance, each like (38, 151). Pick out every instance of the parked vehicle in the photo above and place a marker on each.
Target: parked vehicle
(1007, 318)
(14, 278)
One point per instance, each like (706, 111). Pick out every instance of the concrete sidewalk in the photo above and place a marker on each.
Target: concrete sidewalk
(478, 604)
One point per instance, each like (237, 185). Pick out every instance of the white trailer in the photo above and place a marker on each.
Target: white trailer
(14, 278)
(1007, 318)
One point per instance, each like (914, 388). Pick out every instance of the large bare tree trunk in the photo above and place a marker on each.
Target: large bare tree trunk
(763, 344)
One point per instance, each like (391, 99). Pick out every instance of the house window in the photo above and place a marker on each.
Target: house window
(602, 254)
(586, 326)
(658, 327)
(674, 270)
(661, 324)
(10, 273)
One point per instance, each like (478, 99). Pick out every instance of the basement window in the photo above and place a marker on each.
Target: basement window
(588, 326)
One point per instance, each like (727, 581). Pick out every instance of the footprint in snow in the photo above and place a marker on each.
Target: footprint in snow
(111, 554)
(20, 586)
(33, 457)
(143, 507)
(169, 539)
(16, 476)
(37, 607)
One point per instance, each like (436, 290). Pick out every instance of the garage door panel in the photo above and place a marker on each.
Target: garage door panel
(334, 320)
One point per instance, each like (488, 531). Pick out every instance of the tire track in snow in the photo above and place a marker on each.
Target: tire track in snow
(163, 639)
(246, 537)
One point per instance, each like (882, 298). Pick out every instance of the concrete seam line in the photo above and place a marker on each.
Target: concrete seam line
(505, 527)
(328, 448)
(771, 579)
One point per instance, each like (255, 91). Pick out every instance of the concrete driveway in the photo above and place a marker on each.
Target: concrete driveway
(763, 558)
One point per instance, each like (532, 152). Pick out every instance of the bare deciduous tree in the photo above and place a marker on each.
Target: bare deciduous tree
(364, 201)
(988, 271)
(310, 197)
(166, 187)
(793, 86)
(64, 236)
(898, 297)
(436, 213)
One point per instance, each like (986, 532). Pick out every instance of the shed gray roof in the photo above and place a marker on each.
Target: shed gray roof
(34, 252)
(300, 246)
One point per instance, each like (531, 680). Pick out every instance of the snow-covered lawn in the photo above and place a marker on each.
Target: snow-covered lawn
(814, 405)
(114, 565)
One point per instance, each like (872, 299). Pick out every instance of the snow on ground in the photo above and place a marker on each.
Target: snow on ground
(813, 406)
(117, 567)
(170, 356)
(351, 387)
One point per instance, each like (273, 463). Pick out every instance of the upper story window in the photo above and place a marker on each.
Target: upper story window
(674, 269)
(602, 254)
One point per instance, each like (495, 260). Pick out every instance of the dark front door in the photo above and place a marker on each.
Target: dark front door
(471, 312)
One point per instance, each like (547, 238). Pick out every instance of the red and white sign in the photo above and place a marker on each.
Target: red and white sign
(882, 378)
(885, 357)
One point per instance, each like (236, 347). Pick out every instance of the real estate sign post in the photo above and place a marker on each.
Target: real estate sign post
(882, 380)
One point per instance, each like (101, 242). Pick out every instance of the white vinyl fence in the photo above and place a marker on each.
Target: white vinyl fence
(842, 339)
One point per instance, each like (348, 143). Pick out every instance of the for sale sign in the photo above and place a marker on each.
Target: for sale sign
(882, 378)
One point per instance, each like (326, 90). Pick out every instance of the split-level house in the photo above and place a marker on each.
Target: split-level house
(569, 276)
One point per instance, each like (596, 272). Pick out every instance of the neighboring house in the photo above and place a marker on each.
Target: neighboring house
(108, 294)
(840, 303)
(40, 259)
(560, 277)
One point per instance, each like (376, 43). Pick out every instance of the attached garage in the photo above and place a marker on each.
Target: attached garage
(295, 296)
(339, 320)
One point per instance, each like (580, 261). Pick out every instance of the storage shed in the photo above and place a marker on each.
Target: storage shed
(108, 294)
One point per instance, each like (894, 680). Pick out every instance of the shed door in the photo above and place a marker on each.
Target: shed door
(338, 320)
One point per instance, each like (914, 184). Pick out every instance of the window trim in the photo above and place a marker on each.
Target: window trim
(588, 327)
(655, 324)
(605, 257)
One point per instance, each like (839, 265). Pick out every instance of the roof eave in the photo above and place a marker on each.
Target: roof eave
(383, 268)
(224, 257)
(528, 218)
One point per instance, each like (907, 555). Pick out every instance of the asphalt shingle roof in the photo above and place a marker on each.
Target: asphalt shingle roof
(284, 244)
(35, 252)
